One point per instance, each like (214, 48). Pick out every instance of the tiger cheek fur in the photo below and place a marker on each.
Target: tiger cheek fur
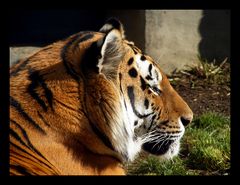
(160, 113)
(89, 103)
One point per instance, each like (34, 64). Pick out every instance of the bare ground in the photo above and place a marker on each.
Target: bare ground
(204, 95)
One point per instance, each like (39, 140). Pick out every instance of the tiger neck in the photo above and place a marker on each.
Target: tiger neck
(69, 144)
(72, 157)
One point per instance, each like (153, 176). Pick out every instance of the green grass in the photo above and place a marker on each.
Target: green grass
(205, 150)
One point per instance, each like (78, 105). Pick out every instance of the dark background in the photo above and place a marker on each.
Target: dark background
(41, 27)
(214, 29)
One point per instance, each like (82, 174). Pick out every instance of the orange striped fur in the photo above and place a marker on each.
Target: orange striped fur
(73, 106)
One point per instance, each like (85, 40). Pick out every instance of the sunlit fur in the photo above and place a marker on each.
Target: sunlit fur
(79, 106)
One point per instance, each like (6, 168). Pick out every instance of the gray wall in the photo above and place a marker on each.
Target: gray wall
(176, 38)
(172, 37)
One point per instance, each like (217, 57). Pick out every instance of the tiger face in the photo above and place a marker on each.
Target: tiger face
(153, 113)
(157, 113)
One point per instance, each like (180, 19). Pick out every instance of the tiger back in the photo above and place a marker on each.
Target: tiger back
(87, 104)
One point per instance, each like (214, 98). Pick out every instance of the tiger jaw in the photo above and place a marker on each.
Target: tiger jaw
(165, 145)
(165, 149)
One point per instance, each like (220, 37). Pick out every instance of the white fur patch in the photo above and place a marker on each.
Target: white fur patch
(127, 138)
(106, 28)
(143, 69)
(124, 142)
(128, 144)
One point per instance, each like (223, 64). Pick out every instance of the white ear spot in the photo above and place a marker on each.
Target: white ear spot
(111, 24)
(106, 28)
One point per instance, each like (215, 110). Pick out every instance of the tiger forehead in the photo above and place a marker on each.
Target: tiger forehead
(147, 67)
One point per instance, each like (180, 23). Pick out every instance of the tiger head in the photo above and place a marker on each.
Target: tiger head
(130, 98)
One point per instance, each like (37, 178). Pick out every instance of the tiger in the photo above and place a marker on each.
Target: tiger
(90, 103)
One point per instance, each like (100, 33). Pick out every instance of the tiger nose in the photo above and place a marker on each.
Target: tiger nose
(186, 119)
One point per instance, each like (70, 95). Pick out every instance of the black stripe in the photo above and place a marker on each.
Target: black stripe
(143, 83)
(24, 151)
(146, 103)
(64, 51)
(143, 58)
(134, 48)
(150, 69)
(29, 144)
(17, 137)
(132, 101)
(20, 169)
(155, 89)
(47, 92)
(36, 79)
(19, 68)
(135, 52)
(103, 137)
(154, 116)
(74, 43)
(149, 77)
(42, 118)
(82, 39)
(19, 108)
(159, 114)
(120, 77)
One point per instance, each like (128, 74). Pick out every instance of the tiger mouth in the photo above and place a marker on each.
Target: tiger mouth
(157, 148)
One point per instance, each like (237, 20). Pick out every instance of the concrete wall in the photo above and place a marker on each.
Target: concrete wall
(175, 38)
(172, 37)
(18, 53)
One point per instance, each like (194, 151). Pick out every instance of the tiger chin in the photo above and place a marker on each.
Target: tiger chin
(89, 103)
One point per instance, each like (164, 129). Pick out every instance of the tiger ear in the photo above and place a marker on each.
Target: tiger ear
(111, 47)
(111, 24)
